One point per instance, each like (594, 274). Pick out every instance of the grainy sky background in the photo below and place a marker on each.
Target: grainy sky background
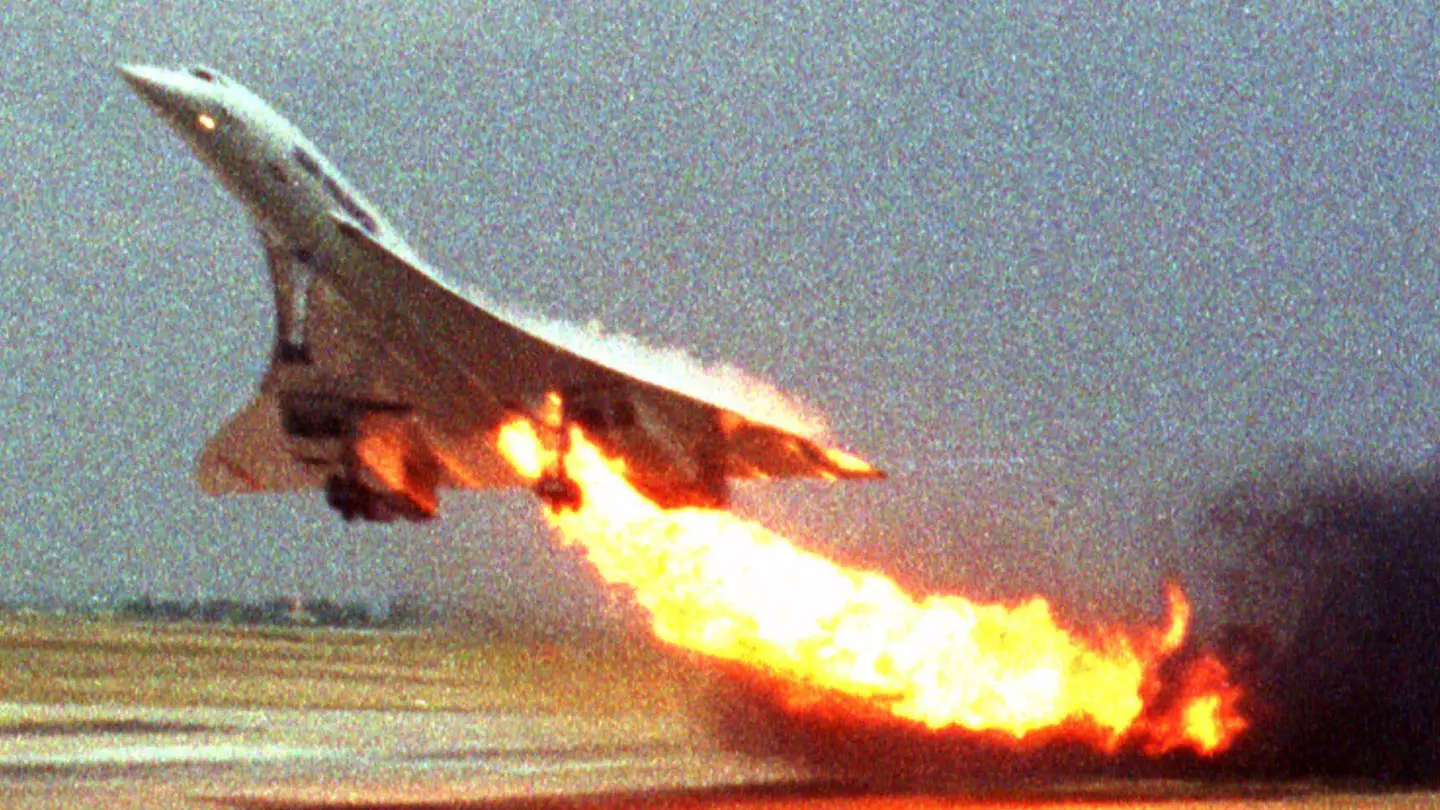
(1062, 268)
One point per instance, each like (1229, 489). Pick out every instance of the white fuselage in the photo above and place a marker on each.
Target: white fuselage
(294, 196)
(287, 185)
(398, 371)
(298, 200)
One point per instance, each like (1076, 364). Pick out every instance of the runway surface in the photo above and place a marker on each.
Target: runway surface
(112, 757)
(116, 758)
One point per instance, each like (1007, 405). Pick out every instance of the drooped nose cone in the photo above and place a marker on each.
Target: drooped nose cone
(149, 82)
(170, 93)
(191, 102)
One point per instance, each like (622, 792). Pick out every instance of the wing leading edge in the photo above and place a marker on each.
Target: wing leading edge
(400, 361)
(513, 364)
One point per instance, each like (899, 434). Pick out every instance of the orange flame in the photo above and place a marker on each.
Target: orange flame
(1205, 714)
(728, 588)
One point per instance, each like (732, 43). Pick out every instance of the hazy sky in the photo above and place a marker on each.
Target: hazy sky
(1060, 271)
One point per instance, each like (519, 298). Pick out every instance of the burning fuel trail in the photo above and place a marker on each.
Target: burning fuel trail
(726, 587)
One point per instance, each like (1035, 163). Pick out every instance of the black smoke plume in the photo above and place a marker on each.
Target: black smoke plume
(1338, 582)
(1332, 624)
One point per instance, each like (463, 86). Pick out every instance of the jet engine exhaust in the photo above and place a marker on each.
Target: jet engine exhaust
(839, 639)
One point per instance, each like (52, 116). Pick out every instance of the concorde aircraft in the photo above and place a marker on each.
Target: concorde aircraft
(387, 383)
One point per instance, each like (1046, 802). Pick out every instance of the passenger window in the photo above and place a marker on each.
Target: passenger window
(351, 208)
(366, 221)
(307, 162)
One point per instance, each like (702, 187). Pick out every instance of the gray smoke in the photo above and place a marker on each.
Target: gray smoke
(1340, 595)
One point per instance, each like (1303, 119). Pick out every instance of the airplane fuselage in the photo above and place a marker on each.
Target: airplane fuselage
(387, 381)
(300, 204)
(285, 183)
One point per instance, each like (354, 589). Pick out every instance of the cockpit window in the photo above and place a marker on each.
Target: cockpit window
(205, 74)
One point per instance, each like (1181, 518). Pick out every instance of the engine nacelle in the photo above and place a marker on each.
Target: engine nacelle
(384, 469)
(353, 499)
(670, 457)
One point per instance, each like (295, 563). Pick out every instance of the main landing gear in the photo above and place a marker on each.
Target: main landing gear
(559, 491)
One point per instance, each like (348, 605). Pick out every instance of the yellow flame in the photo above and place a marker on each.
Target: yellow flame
(847, 462)
(519, 444)
(1202, 724)
(1179, 619)
(726, 587)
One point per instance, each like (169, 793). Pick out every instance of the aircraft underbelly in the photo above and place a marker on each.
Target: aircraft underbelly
(386, 383)
(353, 365)
(480, 367)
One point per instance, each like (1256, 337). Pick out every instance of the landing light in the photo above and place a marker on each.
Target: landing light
(206, 122)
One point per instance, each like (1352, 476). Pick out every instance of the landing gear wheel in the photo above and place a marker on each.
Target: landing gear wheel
(353, 500)
(343, 496)
(559, 492)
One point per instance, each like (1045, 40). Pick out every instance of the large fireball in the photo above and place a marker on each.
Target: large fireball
(726, 587)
